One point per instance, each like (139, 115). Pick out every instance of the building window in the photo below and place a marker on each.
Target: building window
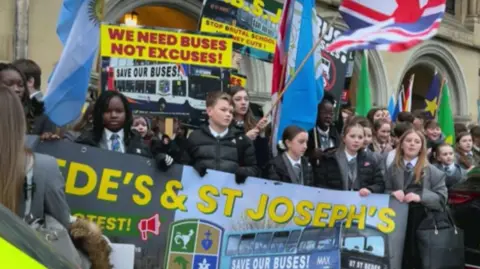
(451, 7)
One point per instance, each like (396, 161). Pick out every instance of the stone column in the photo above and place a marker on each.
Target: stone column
(21, 28)
(472, 8)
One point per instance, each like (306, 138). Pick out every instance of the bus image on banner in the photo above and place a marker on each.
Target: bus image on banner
(162, 88)
(289, 248)
(307, 248)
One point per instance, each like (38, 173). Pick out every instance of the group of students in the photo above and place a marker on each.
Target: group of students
(408, 160)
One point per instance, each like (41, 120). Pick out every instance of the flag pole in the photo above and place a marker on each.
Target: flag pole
(302, 64)
(439, 95)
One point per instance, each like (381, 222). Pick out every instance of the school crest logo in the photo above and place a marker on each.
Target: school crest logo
(194, 244)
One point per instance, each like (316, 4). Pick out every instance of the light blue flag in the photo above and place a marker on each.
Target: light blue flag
(391, 105)
(79, 30)
(301, 99)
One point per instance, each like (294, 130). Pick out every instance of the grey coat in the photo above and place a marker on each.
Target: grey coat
(49, 193)
(434, 191)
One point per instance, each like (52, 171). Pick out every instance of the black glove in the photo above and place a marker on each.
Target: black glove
(200, 168)
(240, 178)
(163, 161)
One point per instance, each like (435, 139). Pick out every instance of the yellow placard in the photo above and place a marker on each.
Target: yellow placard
(236, 80)
(240, 36)
(165, 46)
(13, 258)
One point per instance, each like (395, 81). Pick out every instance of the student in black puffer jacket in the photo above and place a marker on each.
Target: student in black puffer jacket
(218, 147)
(350, 167)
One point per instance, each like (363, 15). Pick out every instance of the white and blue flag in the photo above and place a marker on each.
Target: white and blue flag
(78, 28)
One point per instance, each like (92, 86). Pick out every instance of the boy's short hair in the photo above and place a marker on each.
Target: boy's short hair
(405, 117)
(420, 114)
(475, 132)
(213, 97)
(401, 128)
(31, 70)
(430, 124)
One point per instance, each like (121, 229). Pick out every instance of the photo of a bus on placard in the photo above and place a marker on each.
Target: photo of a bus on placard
(306, 248)
(161, 88)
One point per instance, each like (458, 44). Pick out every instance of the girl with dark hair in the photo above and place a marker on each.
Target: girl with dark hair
(245, 122)
(290, 165)
(464, 154)
(375, 114)
(350, 167)
(112, 122)
(13, 79)
(445, 160)
(382, 140)
(412, 180)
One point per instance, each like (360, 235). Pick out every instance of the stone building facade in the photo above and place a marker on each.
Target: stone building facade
(27, 29)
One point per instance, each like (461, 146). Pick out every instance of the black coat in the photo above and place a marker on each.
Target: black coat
(263, 151)
(369, 173)
(277, 170)
(221, 154)
(133, 145)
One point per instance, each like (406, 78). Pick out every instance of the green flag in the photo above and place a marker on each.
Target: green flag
(445, 116)
(364, 100)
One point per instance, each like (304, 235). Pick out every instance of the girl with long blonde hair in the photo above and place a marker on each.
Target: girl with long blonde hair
(411, 179)
(17, 164)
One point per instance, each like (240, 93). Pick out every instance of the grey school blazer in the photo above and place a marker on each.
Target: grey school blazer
(49, 193)
(434, 192)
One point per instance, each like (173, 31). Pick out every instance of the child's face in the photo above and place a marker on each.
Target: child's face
(354, 139)
(368, 136)
(221, 113)
(140, 125)
(433, 133)
(466, 143)
(445, 155)
(383, 134)
(386, 115)
(298, 145)
(241, 102)
(476, 141)
(114, 116)
(378, 115)
(411, 145)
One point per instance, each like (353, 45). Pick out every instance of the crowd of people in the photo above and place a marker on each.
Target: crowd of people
(408, 159)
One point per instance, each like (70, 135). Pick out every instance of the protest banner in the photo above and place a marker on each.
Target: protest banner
(178, 220)
(335, 65)
(238, 80)
(165, 46)
(253, 24)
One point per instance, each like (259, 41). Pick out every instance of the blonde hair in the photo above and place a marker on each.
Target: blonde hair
(12, 148)
(422, 155)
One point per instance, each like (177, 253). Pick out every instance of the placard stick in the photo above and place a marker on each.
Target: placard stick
(169, 127)
(300, 67)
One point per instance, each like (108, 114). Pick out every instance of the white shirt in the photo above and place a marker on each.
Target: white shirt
(350, 157)
(413, 162)
(327, 134)
(451, 167)
(107, 134)
(293, 162)
(218, 135)
(35, 94)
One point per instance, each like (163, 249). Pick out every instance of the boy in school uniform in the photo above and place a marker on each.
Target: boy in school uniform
(216, 146)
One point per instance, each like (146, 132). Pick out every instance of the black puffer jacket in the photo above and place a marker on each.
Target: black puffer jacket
(221, 154)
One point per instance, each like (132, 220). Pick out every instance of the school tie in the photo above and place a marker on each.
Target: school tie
(352, 171)
(409, 167)
(298, 172)
(115, 143)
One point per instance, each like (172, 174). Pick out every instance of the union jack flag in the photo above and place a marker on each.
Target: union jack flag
(392, 25)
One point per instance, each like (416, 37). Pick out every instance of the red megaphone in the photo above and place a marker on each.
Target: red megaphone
(150, 225)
